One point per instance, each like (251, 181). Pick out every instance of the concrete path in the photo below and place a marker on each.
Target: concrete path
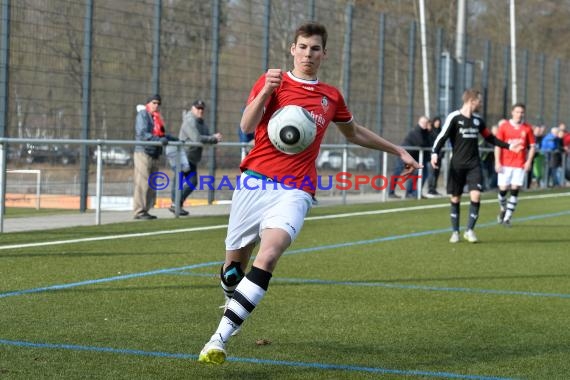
(35, 223)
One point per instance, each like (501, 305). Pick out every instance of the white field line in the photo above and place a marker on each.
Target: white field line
(222, 226)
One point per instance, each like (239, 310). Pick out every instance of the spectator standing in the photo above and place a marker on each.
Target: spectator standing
(433, 176)
(462, 128)
(149, 126)
(512, 167)
(565, 136)
(193, 129)
(173, 154)
(416, 137)
(538, 161)
(551, 147)
(488, 161)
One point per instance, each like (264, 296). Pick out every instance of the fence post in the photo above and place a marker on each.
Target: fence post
(346, 58)
(156, 47)
(86, 106)
(485, 79)
(506, 82)
(266, 29)
(312, 10)
(99, 185)
(437, 69)
(525, 76)
(4, 76)
(380, 86)
(385, 175)
(556, 114)
(2, 184)
(541, 89)
(4, 64)
(411, 73)
(214, 90)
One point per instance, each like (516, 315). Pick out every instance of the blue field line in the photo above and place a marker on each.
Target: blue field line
(221, 226)
(108, 279)
(399, 286)
(291, 252)
(284, 363)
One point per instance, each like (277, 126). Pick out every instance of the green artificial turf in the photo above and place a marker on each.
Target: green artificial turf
(366, 291)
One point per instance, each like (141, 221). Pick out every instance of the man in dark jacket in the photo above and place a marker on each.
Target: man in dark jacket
(149, 126)
(435, 128)
(416, 137)
(193, 129)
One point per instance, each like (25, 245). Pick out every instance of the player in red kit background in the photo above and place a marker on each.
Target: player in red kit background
(273, 215)
(512, 167)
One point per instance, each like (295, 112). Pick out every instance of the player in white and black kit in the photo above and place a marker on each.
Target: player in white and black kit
(462, 128)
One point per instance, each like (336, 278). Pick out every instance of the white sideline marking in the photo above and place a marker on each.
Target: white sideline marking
(221, 226)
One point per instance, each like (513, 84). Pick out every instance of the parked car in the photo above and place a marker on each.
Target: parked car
(14, 153)
(332, 159)
(50, 153)
(114, 155)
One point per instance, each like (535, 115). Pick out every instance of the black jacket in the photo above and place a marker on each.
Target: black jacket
(420, 138)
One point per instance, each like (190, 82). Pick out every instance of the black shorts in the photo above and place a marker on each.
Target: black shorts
(459, 177)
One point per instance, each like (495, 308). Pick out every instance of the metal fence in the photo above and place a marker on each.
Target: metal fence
(349, 176)
(76, 69)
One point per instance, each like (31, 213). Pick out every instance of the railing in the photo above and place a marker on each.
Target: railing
(362, 181)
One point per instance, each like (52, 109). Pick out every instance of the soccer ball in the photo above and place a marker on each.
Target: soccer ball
(291, 129)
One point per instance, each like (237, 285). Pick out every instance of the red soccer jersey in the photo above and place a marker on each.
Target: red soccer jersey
(324, 102)
(510, 133)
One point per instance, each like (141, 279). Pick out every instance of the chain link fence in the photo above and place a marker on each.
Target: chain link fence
(76, 69)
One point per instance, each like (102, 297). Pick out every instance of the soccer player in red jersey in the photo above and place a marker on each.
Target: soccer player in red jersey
(271, 209)
(512, 167)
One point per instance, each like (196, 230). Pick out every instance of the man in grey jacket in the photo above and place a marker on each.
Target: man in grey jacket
(193, 129)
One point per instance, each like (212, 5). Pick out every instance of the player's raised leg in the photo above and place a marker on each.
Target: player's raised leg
(247, 295)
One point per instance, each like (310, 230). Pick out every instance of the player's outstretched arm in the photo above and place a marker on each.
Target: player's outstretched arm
(514, 146)
(359, 135)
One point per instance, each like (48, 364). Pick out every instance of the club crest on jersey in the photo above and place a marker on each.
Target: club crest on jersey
(476, 122)
(325, 103)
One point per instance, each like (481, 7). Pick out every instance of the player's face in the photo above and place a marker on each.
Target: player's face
(518, 114)
(307, 54)
(476, 104)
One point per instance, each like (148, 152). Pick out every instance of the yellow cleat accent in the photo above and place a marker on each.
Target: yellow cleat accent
(213, 353)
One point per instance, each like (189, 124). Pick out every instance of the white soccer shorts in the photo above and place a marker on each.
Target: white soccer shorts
(264, 204)
(511, 176)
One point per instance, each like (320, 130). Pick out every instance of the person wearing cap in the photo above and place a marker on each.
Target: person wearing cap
(193, 129)
(149, 126)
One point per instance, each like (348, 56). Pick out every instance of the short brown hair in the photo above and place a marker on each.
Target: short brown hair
(470, 94)
(516, 105)
(312, 29)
